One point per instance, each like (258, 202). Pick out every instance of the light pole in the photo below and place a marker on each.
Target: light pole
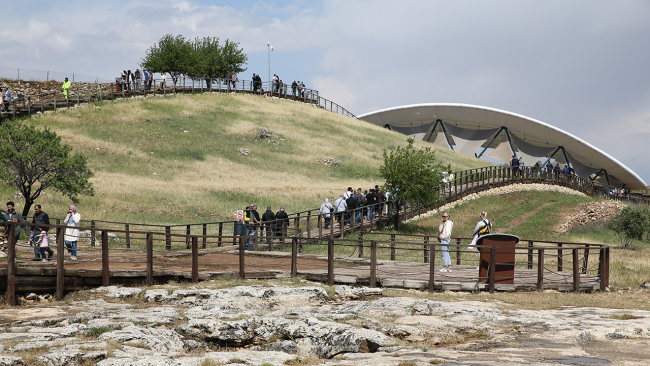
(270, 48)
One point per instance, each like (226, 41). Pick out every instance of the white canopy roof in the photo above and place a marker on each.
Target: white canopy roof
(531, 130)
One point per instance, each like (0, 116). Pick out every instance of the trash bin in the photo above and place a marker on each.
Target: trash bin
(240, 228)
(118, 87)
(504, 268)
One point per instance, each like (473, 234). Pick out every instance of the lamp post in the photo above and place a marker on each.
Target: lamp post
(270, 48)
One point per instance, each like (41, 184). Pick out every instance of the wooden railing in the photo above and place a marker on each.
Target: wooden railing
(148, 257)
(477, 180)
(90, 92)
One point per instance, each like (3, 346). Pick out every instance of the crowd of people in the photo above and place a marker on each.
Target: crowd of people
(517, 165)
(38, 230)
(128, 79)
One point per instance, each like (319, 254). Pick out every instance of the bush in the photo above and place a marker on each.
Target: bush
(632, 224)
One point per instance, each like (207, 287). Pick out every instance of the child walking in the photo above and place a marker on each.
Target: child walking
(44, 244)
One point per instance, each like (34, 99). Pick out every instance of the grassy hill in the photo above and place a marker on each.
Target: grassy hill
(175, 159)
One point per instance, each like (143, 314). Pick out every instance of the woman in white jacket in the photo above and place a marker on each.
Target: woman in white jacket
(71, 236)
(445, 237)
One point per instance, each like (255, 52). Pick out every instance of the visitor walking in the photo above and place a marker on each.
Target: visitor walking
(43, 244)
(283, 221)
(71, 237)
(514, 164)
(445, 237)
(483, 227)
(13, 215)
(268, 220)
(326, 210)
(40, 218)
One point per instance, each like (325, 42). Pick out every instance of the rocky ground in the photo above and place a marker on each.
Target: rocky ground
(291, 325)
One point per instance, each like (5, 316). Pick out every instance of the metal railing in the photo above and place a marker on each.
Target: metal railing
(88, 92)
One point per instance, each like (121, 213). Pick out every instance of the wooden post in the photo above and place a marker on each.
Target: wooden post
(492, 269)
(607, 266)
(540, 269)
(392, 247)
(242, 273)
(106, 278)
(585, 265)
(426, 249)
(195, 259)
(320, 224)
(294, 257)
(309, 224)
(29, 106)
(530, 254)
(54, 100)
(168, 238)
(128, 236)
(205, 234)
(432, 266)
(149, 259)
(296, 224)
(373, 264)
(330, 262)
(11, 266)
(559, 257)
(576, 270)
(60, 262)
(458, 251)
(92, 234)
(188, 230)
(601, 268)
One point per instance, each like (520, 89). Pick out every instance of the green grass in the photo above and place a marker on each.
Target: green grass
(149, 170)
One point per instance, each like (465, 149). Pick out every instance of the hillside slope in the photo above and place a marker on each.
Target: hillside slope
(175, 159)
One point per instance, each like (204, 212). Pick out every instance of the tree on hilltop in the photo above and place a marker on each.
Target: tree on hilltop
(34, 160)
(210, 60)
(202, 58)
(170, 55)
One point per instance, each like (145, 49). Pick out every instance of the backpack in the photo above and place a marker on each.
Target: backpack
(485, 229)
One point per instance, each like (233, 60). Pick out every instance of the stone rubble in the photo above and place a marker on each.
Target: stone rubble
(282, 325)
(590, 212)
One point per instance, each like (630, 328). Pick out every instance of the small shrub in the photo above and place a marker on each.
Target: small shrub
(632, 223)
(95, 332)
(211, 363)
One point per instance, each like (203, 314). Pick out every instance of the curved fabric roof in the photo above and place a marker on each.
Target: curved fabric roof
(533, 131)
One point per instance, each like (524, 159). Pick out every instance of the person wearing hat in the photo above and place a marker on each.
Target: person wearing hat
(282, 223)
(65, 87)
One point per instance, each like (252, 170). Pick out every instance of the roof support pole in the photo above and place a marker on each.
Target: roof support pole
(607, 178)
(433, 129)
(512, 148)
(551, 156)
(597, 174)
(444, 130)
(566, 158)
(491, 141)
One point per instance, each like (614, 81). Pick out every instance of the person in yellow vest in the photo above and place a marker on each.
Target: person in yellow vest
(65, 87)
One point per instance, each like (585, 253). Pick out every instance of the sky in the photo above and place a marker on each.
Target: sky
(580, 65)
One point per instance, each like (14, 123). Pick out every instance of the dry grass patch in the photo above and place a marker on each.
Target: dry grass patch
(30, 356)
(637, 300)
